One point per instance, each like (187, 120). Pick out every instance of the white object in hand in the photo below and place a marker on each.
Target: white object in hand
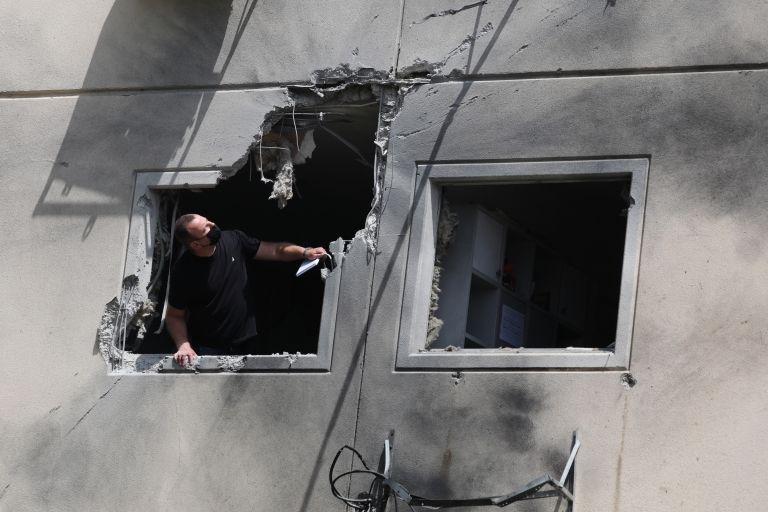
(307, 265)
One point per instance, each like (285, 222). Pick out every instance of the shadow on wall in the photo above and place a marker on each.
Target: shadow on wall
(143, 43)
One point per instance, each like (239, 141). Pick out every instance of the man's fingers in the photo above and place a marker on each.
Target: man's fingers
(183, 358)
(317, 253)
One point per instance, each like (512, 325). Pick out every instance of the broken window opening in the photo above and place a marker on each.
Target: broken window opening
(332, 186)
(534, 265)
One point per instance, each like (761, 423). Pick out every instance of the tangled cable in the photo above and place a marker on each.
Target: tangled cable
(378, 492)
(382, 487)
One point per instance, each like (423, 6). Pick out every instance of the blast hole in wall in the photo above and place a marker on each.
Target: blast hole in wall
(332, 195)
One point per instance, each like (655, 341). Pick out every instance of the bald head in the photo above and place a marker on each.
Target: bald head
(192, 229)
(180, 229)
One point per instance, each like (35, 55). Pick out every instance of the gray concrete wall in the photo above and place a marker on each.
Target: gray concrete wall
(133, 43)
(698, 340)
(77, 439)
(682, 83)
(520, 36)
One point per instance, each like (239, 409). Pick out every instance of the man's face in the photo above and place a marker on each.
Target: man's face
(198, 229)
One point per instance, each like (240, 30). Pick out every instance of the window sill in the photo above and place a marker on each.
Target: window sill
(164, 363)
(511, 359)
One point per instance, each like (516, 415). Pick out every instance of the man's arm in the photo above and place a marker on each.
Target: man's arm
(284, 251)
(177, 327)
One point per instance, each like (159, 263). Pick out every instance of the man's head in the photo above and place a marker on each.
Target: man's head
(196, 232)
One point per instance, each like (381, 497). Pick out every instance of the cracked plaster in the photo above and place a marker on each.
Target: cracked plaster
(567, 35)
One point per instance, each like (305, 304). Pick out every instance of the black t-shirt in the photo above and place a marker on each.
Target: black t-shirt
(215, 292)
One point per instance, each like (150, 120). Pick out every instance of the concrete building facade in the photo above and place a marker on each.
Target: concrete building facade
(100, 99)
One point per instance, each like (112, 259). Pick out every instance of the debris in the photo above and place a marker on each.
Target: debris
(346, 74)
(627, 380)
(282, 189)
(421, 67)
(390, 103)
(306, 148)
(446, 233)
(230, 363)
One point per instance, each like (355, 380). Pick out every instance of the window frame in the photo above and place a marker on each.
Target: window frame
(138, 261)
(429, 180)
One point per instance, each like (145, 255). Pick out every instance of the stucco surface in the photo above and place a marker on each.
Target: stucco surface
(135, 43)
(688, 436)
(143, 445)
(698, 346)
(196, 442)
(522, 36)
(108, 136)
(77, 439)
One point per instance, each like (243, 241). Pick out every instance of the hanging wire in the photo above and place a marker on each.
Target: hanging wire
(170, 259)
(159, 270)
(351, 146)
(121, 322)
(377, 492)
(264, 179)
(261, 162)
(295, 131)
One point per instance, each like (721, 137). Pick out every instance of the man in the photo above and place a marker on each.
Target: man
(210, 282)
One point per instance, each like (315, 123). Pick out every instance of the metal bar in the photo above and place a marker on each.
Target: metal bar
(472, 502)
(563, 491)
(571, 459)
(530, 488)
(387, 459)
(544, 494)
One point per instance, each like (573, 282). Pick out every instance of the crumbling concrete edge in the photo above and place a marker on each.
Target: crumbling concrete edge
(134, 307)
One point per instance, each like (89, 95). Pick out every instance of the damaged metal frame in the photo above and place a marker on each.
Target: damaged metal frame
(383, 486)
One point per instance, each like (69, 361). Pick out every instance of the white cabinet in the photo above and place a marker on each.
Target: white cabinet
(501, 287)
(487, 245)
(469, 296)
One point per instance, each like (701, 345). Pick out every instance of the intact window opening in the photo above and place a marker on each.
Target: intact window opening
(534, 265)
(332, 195)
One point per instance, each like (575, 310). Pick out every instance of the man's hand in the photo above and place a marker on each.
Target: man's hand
(314, 253)
(185, 354)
